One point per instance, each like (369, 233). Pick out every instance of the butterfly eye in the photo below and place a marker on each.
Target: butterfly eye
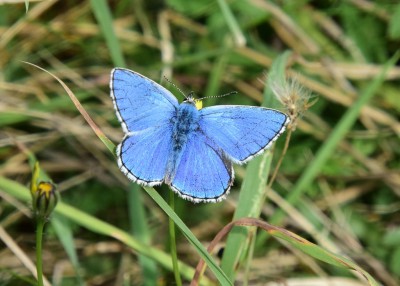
(199, 104)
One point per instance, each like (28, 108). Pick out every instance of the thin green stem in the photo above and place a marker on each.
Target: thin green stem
(39, 238)
(278, 165)
(172, 240)
(140, 230)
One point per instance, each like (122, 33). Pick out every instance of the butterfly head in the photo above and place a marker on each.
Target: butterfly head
(196, 102)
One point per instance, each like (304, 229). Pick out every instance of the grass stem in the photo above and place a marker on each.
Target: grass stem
(172, 239)
(39, 238)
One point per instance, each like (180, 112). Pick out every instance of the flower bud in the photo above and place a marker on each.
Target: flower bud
(44, 195)
(45, 199)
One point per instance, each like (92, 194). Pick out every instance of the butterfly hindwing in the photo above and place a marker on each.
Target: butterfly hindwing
(203, 172)
(242, 131)
(143, 157)
(140, 102)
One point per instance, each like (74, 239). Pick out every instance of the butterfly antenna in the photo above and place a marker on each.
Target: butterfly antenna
(222, 95)
(178, 88)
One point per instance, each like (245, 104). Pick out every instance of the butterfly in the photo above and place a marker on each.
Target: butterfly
(189, 149)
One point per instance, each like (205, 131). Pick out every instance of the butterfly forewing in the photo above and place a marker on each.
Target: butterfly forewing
(242, 131)
(140, 102)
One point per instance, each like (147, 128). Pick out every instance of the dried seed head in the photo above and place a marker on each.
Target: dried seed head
(295, 97)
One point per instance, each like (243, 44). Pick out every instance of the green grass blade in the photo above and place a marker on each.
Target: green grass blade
(104, 18)
(97, 226)
(276, 74)
(252, 193)
(139, 227)
(172, 241)
(319, 253)
(64, 234)
(221, 276)
(302, 244)
(394, 26)
(233, 25)
(9, 118)
(215, 78)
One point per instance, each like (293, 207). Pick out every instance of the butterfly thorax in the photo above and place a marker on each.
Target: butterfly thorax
(185, 122)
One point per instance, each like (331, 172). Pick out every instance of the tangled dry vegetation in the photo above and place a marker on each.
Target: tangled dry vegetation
(338, 48)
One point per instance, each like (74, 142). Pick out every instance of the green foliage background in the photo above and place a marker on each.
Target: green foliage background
(348, 203)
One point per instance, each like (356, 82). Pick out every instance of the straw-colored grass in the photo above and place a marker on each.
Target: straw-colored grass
(338, 184)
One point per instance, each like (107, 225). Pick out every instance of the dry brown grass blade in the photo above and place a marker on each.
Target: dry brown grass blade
(82, 111)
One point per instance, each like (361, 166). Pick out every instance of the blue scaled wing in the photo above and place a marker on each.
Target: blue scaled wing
(140, 102)
(242, 131)
(143, 155)
(145, 110)
(203, 173)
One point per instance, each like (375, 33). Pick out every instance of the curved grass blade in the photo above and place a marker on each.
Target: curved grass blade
(294, 240)
(110, 145)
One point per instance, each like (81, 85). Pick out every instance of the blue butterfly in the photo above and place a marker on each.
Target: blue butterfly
(189, 149)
